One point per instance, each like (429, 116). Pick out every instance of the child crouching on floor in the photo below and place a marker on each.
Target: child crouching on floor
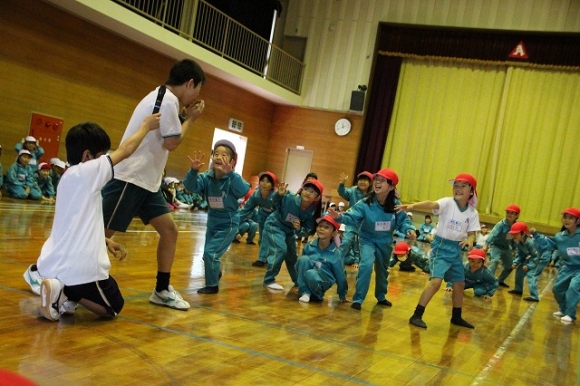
(478, 276)
(321, 264)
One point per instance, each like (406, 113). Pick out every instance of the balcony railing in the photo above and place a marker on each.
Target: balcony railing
(203, 24)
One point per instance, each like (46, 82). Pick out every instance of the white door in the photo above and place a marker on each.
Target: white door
(296, 167)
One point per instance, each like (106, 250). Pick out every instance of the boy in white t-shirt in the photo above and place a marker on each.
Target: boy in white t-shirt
(73, 264)
(458, 224)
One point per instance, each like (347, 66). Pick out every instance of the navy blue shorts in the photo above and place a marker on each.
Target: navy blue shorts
(103, 292)
(123, 200)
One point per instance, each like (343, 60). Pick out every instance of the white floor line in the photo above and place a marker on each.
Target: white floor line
(493, 361)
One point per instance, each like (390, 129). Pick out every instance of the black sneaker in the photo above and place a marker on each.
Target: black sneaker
(416, 321)
(385, 303)
(502, 284)
(531, 299)
(515, 292)
(258, 263)
(208, 290)
(356, 306)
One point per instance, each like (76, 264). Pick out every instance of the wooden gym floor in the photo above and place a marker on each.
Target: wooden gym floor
(246, 335)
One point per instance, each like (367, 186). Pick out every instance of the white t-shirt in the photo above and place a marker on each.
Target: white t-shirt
(76, 253)
(453, 223)
(144, 167)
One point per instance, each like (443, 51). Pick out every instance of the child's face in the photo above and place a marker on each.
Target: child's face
(484, 230)
(44, 173)
(265, 184)
(475, 264)
(24, 159)
(569, 221)
(511, 216)
(517, 237)
(363, 184)
(403, 257)
(461, 191)
(57, 169)
(30, 146)
(308, 194)
(427, 220)
(221, 157)
(325, 230)
(382, 186)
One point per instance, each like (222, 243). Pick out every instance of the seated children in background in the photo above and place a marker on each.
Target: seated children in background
(20, 182)
(74, 261)
(320, 265)
(57, 168)
(482, 236)
(425, 229)
(294, 215)
(408, 256)
(222, 187)
(526, 258)
(247, 225)
(44, 182)
(168, 188)
(332, 206)
(340, 207)
(400, 234)
(31, 144)
(477, 276)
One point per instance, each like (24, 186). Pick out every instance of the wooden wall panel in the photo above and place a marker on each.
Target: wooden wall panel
(314, 129)
(57, 64)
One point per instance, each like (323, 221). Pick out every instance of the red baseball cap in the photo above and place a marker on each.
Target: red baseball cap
(369, 175)
(466, 177)
(266, 173)
(329, 219)
(477, 254)
(513, 208)
(401, 248)
(317, 184)
(573, 212)
(519, 227)
(389, 174)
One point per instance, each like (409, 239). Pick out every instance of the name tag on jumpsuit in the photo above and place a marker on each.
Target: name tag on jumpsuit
(382, 226)
(573, 251)
(291, 218)
(215, 202)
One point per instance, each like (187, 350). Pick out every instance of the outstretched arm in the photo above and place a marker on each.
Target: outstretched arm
(151, 122)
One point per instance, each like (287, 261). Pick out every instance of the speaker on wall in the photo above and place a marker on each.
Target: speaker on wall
(357, 101)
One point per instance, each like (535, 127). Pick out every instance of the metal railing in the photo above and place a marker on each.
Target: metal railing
(203, 24)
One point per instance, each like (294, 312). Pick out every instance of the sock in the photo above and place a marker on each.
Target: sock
(419, 311)
(162, 281)
(458, 320)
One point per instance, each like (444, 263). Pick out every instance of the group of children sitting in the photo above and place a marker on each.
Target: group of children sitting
(27, 178)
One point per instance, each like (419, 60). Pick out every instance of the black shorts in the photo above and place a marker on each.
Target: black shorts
(123, 200)
(103, 292)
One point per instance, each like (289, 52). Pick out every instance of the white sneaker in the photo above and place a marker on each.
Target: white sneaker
(304, 298)
(33, 279)
(558, 314)
(169, 298)
(52, 298)
(275, 286)
(566, 319)
(69, 307)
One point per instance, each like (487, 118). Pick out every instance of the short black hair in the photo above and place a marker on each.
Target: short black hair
(311, 175)
(85, 136)
(183, 71)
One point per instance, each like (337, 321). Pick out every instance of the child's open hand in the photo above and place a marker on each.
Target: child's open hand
(343, 178)
(282, 186)
(411, 235)
(401, 208)
(333, 213)
(152, 121)
(196, 163)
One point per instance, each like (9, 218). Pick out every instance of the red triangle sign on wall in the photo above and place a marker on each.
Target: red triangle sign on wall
(519, 52)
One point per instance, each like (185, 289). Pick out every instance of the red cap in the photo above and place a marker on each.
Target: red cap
(401, 248)
(369, 175)
(477, 254)
(44, 166)
(519, 227)
(389, 174)
(272, 176)
(315, 183)
(573, 212)
(513, 208)
(329, 219)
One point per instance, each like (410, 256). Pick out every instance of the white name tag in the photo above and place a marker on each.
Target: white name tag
(382, 226)
(216, 202)
(291, 218)
(573, 251)
(454, 225)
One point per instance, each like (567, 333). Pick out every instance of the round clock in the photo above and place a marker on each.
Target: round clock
(342, 127)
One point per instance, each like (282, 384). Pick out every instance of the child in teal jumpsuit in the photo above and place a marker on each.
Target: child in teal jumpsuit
(408, 256)
(526, 257)
(221, 186)
(478, 276)
(294, 215)
(320, 265)
(262, 198)
(501, 245)
(349, 247)
(376, 218)
(566, 290)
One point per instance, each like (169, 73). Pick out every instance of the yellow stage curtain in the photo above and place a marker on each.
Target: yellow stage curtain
(539, 161)
(443, 124)
(517, 130)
